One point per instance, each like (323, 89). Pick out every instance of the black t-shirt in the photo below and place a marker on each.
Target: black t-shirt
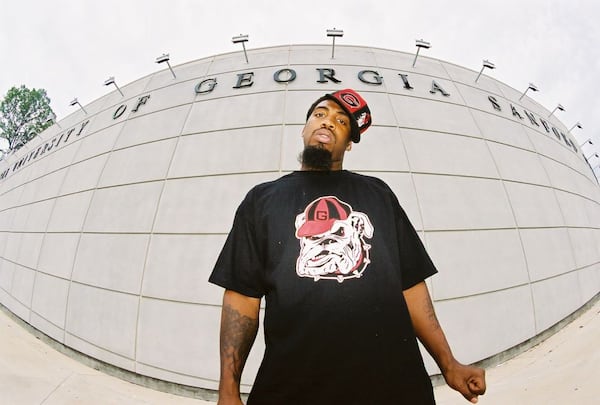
(331, 252)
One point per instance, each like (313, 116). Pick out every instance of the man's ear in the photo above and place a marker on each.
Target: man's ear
(349, 146)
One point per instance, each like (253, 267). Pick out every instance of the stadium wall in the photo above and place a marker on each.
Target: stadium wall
(111, 219)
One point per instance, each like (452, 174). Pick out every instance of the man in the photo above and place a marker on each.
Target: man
(342, 271)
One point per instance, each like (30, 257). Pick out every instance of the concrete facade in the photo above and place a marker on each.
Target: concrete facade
(111, 222)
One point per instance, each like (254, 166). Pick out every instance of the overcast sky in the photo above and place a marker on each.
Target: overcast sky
(70, 47)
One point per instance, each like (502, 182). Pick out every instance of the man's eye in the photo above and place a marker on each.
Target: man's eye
(319, 114)
(342, 121)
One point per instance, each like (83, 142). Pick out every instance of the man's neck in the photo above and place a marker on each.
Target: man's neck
(312, 169)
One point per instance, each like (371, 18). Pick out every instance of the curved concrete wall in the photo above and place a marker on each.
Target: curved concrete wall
(110, 223)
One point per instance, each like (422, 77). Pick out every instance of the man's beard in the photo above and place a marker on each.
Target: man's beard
(316, 158)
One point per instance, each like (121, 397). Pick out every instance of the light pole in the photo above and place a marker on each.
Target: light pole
(595, 154)
(334, 34)
(532, 87)
(76, 102)
(165, 58)
(420, 44)
(486, 64)
(558, 107)
(587, 141)
(241, 39)
(578, 125)
(111, 80)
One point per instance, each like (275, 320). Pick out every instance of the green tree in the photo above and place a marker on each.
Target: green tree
(24, 113)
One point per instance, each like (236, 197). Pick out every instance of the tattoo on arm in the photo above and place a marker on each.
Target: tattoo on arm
(429, 312)
(238, 332)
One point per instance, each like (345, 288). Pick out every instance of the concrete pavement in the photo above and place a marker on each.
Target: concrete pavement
(563, 369)
(34, 373)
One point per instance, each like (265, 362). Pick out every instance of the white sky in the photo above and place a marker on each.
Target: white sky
(70, 47)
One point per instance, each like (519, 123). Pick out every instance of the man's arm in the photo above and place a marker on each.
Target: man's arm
(468, 380)
(239, 325)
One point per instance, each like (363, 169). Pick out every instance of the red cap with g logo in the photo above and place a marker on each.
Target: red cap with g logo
(321, 214)
(356, 107)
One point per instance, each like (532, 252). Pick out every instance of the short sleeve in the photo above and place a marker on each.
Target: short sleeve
(414, 259)
(239, 266)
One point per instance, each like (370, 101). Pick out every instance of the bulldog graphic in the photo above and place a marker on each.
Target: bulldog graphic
(332, 240)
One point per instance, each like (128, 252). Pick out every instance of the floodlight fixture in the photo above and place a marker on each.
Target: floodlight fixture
(486, 64)
(586, 142)
(76, 102)
(52, 119)
(334, 33)
(558, 107)
(420, 44)
(578, 125)
(532, 87)
(241, 39)
(111, 80)
(593, 155)
(165, 58)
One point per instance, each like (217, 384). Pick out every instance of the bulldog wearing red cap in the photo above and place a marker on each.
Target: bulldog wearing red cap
(332, 240)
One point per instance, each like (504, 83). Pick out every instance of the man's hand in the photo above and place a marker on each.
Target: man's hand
(468, 380)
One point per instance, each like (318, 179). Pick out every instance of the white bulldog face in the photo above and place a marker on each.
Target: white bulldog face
(338, 253)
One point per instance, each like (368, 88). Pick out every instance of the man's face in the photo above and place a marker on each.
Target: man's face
(328, 127)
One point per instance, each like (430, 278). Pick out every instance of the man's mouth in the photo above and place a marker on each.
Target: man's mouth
(323, 136)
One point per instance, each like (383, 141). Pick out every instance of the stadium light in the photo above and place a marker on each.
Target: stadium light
(420, 44)
(334, 34)
(486, 64)
(558, 107)
(165, 58)
(76, 102)
(578, 125)
(52, 119)
(530, 87)
(595, 154)
(587, 141)
(111, 80)
(241, 39)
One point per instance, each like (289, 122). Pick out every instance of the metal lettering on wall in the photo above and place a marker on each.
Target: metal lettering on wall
(372, 77)
(560, 136)
(64, 137)
(285, 76)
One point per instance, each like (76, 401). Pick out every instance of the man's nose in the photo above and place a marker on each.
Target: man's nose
(327, 123)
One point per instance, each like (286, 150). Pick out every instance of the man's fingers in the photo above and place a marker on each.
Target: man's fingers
(477, 385)
(468, 380)
(469, 396)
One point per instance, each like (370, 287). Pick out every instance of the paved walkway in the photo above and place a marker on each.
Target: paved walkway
(564, 369)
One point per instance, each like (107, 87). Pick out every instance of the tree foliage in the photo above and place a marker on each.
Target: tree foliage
(24, 113)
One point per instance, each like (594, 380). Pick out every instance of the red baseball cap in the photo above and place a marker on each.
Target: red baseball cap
(321, 214)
